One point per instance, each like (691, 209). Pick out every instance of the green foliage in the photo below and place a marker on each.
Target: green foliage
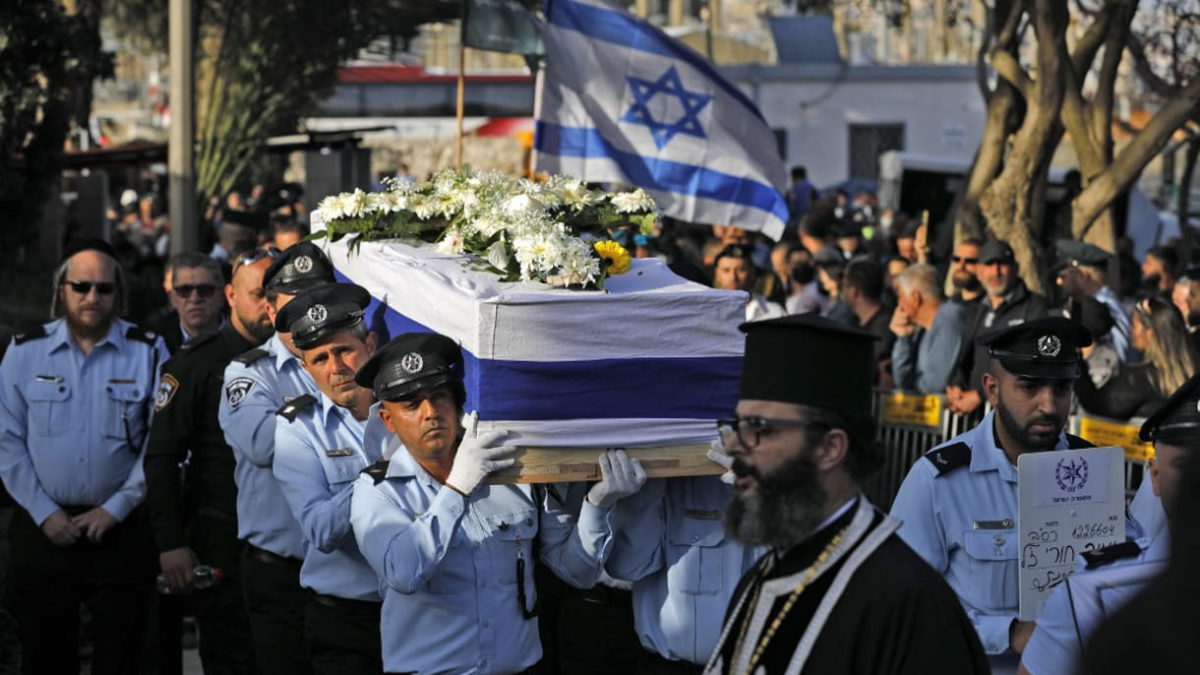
(48, 61)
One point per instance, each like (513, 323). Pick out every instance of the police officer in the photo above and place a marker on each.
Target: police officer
(1111, 577)
(457, 554)
(958, 505)
(197, 522)
(257, 383)
(319, 449)
(1083, 272)
(671, 542)
(74, 406)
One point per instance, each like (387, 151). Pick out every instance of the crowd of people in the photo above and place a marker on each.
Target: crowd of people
(319, 500)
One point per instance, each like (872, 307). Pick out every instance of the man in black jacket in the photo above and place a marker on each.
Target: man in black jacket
(1008, 303)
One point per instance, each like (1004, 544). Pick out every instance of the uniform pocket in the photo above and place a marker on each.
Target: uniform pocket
(342, 467)
(123, 418)
(992, 558)
(701, 566)
(48, 407)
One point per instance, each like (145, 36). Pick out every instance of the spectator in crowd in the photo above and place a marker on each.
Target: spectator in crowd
(1008, 303)
(784, 256)
(734, 270)
(862, 291)
(196, 299)
(1103, 362)
(895, 266)
(806, 293)
(1159, 268)
(800, 196)
(929, 332)
(967, 289)
(1186, 298)
(904, 232)
(1082, 273)
(1139, 388)
(830, 266)
(849, 240)
(74, 408)
(287, 232)
(816, 228)
(239, 233)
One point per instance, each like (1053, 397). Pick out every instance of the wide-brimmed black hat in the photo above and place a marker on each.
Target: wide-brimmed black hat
(1044, 349)
(412, 362)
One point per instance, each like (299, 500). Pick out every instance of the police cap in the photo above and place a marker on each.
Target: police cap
(299, 268)
(412, 362)
(1073, 253)
(320, 312)
(1044, 349)
(809, 360)
(1177, 421)
(997, 251)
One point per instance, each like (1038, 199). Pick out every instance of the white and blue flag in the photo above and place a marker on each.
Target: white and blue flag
(621, 101)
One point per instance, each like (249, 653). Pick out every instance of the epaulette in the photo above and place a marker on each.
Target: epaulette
(135, 333)
(377, 471)
(1076, 443)
(191, 345)
(251, 356)
(293, 407)
(31, 334)
(949, 457)
(1108, 554)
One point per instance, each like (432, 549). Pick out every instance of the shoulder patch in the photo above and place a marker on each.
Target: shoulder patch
(1076, 443)
(31, 334)
(1108, 554)
(191, 345)
(167, 386)
(292, 408)
(250, 356)
(377, 471)
(135, 333)
(237, 389)
(949, 457)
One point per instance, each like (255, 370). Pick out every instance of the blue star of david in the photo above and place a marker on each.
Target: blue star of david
(668, 85)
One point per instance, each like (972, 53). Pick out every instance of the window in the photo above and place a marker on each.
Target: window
(868, 142)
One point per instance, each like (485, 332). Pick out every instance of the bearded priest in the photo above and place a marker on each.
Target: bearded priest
(838, 592)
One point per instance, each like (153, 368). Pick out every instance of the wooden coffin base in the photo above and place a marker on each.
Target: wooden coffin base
(553, 465)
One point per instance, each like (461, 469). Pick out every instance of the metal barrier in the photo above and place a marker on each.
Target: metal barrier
(912, 424)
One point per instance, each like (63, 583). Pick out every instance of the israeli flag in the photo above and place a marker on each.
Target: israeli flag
(621, 101)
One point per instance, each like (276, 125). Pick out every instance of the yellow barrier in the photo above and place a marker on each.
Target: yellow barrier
(1121, 434)
(918, 410)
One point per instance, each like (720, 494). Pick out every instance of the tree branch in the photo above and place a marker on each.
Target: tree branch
(1006, 66)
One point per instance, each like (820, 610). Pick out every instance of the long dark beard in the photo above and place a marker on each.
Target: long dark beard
(784, 509)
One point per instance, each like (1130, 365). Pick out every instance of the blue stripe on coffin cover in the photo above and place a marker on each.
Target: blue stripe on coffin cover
(645, 388)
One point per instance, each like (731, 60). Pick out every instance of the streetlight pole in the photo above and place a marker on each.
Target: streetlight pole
(181, 165)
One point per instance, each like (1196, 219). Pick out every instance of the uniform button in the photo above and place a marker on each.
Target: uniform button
(998, 540)
(61, 389)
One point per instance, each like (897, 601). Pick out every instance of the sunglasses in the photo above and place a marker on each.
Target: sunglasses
(960, 259)
(85, 287)
(205, 291)
(251, 257)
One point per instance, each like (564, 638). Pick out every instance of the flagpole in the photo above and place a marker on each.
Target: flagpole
(537, 110)
(462, 76)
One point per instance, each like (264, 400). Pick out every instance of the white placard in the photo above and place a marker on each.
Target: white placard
(1069, 502)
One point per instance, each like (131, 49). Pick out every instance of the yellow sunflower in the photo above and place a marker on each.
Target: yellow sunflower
(613, 257)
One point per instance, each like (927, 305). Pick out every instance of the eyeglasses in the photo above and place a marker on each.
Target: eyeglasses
(85, 287)
(965, 261)
(205, 291)
(253, 256)
(750, 429)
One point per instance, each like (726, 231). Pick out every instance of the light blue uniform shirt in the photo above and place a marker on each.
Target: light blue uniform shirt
(450, 566)
(671, 543)
(963, 522)
(1077, 606)
(1120, 330)
(73, 426)
(251, 395)
(317, 458)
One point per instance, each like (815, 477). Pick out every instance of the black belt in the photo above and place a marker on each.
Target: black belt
(75, 509)
(215, 514)
(264, 556)
(345, 604)
(602, 594)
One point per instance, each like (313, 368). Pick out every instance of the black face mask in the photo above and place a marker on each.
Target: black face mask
(803, 273)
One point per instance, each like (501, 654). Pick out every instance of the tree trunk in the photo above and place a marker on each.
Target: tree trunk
(1185, 190)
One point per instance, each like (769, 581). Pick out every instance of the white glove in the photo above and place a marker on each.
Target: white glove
(478, 456)
(716, 452)
(620, 476)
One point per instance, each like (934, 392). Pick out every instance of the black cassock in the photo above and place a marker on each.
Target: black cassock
(874, 608)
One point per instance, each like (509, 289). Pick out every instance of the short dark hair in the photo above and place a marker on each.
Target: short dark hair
(741, 251)
(288, 224)
(1168, 255)
(799, 172)
(192, 259)
(866, 275)
(971, 241)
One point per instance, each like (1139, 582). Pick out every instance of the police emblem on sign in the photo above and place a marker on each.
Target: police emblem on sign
(166, 391)
(1049, 346)
(303, 264)
(412, 362)
(317, 313)
(237, 389)
(1071, 474)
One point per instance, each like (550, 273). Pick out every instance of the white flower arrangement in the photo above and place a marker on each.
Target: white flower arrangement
(517, 228)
